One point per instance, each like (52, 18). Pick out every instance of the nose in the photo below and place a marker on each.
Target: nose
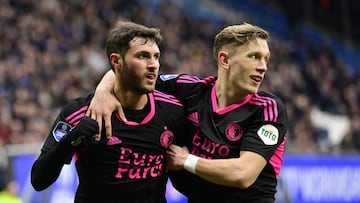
(153, 63)
(262, 66)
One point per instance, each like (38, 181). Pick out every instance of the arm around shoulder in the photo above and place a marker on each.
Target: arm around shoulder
(104, 103)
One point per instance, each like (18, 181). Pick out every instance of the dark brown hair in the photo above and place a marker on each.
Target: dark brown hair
(119, 38)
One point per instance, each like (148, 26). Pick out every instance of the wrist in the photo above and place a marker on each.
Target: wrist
(190, 163)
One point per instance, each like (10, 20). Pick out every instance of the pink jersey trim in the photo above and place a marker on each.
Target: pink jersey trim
(77, 115)
(271, 112)
(166, 98)
(194, 79)
(79, 153)
(188, 79)
(228, 108)
(148, 117)
(276, 160)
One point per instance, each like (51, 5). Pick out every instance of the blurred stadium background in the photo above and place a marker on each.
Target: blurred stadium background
(52, 51)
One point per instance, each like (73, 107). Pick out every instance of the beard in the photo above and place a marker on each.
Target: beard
(130, 80)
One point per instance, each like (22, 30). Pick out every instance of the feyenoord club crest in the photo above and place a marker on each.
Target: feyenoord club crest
(166, 138)
(234, 132)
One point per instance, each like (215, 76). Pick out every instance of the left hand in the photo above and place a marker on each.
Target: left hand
(176, 157)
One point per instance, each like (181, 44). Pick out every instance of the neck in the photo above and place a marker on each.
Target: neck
(226, 94)
(131, 100)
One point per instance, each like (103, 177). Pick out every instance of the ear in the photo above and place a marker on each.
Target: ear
(115, 60)
(223, 59)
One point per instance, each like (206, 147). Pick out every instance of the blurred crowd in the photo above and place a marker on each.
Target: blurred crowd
(52, 51)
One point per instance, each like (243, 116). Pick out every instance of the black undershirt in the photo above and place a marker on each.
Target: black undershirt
(137, 115)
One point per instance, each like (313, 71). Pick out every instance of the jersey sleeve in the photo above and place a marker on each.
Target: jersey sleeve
(56, 151)
(67, 119)
(184, 87)
(59, 129)
(167, 83)
(266, 135)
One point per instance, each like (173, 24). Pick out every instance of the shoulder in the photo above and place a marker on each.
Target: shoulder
(68, 117)
(77, 106)
(207, 81)
(187, 79)
(273, 107)
(185, 87)
(264, 98)
(162, 97)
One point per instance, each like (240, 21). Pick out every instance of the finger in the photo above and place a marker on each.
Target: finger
(175, 147)
(108, 129)
(99, 121)
(89, 111)
(186, 149)
(170, 151)
(121, 113)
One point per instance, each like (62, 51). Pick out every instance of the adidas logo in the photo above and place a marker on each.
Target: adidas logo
(113, 141)
(194, 117)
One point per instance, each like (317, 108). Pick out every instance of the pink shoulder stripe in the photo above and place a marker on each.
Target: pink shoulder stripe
(194, 79)
(188, 79)
(76, 116)
(166, 98)
(168, 101)
(270, 106)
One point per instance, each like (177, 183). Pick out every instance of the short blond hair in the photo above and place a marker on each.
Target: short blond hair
(235, 36)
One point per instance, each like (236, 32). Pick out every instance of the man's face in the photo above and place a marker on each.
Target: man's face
(248, 66)
(140, 66)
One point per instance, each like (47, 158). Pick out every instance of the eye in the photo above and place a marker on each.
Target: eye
(143, 55)
(267, 59)
(157, 56)
(257, 56)
(254, 56)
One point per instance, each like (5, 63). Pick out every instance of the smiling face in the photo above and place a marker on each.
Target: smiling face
(138, 69)
(247, 66)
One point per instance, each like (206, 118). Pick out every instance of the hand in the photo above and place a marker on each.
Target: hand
(101, 107)
(86, 129)
(176, 157)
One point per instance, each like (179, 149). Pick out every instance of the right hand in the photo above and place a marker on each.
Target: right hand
(83, 131)
(175, 157)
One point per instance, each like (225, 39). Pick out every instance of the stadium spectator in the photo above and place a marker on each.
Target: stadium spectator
(10, 193)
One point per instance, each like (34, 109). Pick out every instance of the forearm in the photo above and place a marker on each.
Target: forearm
(104, 103)
(239, 172)
(107, 83)
(46, 169)
(227, 172)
